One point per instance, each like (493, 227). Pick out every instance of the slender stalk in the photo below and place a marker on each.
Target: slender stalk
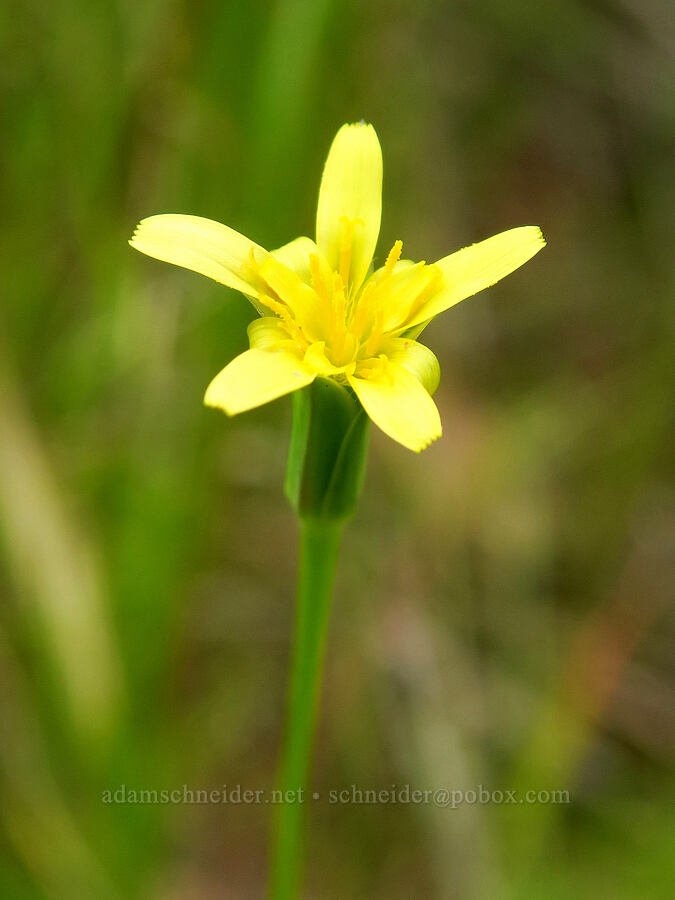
(319, 542)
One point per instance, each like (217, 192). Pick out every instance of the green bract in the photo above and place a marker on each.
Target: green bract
(327, 453)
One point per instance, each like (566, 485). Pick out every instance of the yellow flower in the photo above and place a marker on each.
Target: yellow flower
(324, 313)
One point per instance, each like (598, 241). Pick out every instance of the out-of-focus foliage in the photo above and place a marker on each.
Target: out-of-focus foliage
(502, 614)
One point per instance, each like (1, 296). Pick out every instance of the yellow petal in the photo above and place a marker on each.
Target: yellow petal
(351, 196)
(477, 267)
(416, 330)
(200, 245)
(299, 297)
(396, 295)
(296, 255)
(255, 377)
(315, 357)
(268, 333)
(398, 404)
(416, 358)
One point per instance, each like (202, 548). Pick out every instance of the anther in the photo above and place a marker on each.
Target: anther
(394, 256)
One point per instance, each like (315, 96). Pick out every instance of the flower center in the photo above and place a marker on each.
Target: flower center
(354, 321)
(344, 323)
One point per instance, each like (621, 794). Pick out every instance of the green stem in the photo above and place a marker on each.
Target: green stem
(319, 542)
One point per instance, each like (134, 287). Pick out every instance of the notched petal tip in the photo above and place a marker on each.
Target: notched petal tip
(201, 245)
(399, 404)
(211, 403)
(146, 226)
(135, 233)
(537, 234)
(360, 124)
(432, 440)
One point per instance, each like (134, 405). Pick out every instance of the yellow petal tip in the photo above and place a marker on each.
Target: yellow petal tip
(212, 404)
(429, 442)
(210, 401)
(531, 233)
(360, 124)
(539, 235)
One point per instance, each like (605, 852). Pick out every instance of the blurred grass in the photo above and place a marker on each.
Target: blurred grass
(503, 610)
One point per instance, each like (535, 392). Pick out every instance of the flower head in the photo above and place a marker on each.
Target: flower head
(323, 311)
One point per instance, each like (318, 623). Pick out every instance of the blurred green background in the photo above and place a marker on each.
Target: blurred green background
(502, 614)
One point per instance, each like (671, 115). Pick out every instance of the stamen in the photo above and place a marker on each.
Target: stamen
(375, 368)
(345, 261)
(338, 329)
(339, 298)
(275, 306)
(285, 315)
(376, 333)
(360, 308)
(427, 292)
(393, 258)
(252, 267)
(318, 282)
(364, 304)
